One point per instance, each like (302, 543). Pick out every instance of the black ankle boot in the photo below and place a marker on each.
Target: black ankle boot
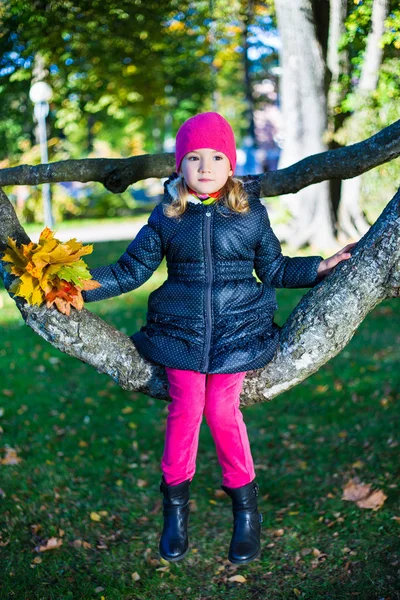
(174, 542)
(245, 544)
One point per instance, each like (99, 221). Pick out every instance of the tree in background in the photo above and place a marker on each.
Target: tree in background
(369, 101)
(329, 81)
(130, 73)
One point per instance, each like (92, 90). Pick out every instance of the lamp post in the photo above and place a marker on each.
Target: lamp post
(40, 94)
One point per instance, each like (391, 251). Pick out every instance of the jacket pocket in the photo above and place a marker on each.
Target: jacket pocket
(244, 326)
(185, 328)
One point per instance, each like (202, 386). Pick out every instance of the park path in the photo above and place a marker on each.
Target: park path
(105, 232)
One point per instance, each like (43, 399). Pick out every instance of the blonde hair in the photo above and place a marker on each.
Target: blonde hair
(233, 196)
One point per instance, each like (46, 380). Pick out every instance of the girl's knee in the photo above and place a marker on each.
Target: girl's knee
(220, 416)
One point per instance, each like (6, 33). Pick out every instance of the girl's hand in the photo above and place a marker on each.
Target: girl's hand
(326, 266)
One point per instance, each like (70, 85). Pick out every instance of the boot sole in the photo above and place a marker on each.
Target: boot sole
(245, 562)
(175, 559)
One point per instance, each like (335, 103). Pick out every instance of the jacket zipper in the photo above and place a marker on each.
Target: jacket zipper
(207, 224)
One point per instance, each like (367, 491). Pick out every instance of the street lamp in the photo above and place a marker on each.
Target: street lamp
(40, 94)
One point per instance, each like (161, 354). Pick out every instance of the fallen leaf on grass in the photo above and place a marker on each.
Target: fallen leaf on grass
(361, 494)
(95, 516)
(11, 457)
(80, 544)
(355, 491)
(278, 532)
(135, 576)
(397, 519)
(51, 544)
(220, 494)
(322, 388)
(237, 579)
(35, 528)
(375, 500)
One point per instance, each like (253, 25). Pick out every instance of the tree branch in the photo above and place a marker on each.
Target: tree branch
(117, 174)
(319, 327)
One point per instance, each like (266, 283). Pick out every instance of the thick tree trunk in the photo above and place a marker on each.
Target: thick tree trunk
(351, 222)
(304, 111)
(319, 327)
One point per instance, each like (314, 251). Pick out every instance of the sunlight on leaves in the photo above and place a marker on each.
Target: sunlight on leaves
(50, 271)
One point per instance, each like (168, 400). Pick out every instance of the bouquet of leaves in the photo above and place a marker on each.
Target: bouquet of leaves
(50, 271)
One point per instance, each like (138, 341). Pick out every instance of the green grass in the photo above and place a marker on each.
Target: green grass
(82, 451)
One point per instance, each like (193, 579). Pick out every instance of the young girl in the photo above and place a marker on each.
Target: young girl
(211, 321)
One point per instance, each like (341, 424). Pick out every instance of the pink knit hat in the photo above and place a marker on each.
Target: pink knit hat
(206, 130)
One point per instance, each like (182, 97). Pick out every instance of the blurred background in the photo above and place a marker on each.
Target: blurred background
(121, 78)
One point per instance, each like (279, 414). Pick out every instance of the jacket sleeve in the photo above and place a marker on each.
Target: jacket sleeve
(133, 268)
(282, 271)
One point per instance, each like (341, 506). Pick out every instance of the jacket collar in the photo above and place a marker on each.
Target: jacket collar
(171, 193)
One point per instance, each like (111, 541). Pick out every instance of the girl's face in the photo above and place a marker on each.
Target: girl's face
(205, 170)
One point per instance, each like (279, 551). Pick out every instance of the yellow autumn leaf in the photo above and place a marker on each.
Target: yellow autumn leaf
(50, 271)
(95, 516)
(296, 591)
(237, 578)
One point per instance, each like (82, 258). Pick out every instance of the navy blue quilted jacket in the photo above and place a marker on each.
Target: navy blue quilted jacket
(211, 315)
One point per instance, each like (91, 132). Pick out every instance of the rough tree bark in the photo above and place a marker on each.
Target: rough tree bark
(319, 327)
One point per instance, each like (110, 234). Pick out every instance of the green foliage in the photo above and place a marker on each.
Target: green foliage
(127, 73)
(364, 114)
(107, 64)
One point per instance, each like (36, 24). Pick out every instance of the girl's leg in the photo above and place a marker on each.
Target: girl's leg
(238, 477)
(185, 412)
(227, 427)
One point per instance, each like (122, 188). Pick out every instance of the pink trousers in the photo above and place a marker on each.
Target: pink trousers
(217, 396)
